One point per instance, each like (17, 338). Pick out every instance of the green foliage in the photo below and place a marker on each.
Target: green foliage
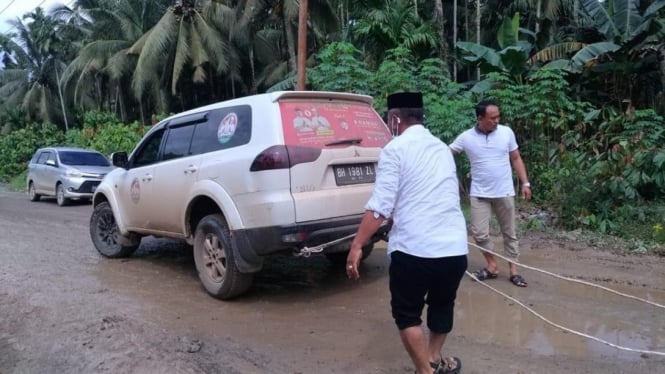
(341, 69)
(17, 147)
(117, 137)
(102, 132)
(624, 171)
(511, 60)
(396, 73)
(17, 183)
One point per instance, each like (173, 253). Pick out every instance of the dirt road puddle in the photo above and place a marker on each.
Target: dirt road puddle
(494, 319)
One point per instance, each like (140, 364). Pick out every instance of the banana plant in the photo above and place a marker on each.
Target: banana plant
(622, 26)
(512, 59)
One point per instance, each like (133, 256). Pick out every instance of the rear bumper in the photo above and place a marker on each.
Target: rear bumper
(253, 244)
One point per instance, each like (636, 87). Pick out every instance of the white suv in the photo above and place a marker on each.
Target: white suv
(243, 179)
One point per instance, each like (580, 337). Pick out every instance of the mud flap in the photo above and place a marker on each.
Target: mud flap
(247, 260)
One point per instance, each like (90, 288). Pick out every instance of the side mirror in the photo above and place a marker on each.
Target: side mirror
(119, 159)
(51, 163)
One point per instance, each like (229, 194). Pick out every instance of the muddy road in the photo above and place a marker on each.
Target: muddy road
(65, 309)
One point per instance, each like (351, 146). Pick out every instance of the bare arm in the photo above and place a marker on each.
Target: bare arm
(367, 228)
(518, 165)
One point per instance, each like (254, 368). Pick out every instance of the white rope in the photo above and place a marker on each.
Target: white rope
(570, 279)
(563, 327)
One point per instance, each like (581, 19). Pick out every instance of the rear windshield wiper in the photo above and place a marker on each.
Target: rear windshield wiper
(346, 141)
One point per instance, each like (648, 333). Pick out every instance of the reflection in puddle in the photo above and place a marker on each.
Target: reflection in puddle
(163, 276)
(492, 319)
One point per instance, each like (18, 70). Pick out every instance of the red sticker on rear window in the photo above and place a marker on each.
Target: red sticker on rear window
(316, 123)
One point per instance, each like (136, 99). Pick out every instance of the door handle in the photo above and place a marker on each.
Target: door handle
(147, 178)
(190, 169)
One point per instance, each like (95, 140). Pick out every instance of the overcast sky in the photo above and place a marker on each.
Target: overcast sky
(17, 8)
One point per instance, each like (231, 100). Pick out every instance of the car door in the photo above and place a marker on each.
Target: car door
(36, 171)
(135, 187)
(174, 176)
(51, 173)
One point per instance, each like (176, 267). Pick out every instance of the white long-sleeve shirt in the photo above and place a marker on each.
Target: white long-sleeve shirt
(417, 184)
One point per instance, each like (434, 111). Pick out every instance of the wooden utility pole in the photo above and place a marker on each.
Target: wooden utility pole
(302, 45)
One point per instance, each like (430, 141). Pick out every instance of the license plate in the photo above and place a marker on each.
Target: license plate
(354, 174)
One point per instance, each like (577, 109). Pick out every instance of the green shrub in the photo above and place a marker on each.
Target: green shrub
(117, 137)
(341, 69)
(17, 147)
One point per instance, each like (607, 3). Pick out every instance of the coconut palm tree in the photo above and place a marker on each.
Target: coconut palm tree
(184, 50)
(36, 59)
(99, 77)
(267, 32)
(393, 25)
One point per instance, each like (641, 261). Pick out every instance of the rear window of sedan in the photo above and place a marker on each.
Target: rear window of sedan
(315, 123)
(83, 158)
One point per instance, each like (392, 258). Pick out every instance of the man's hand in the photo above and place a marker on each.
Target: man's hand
(353, 261)
(526, 193)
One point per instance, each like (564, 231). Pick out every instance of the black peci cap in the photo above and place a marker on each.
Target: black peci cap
(405, 100)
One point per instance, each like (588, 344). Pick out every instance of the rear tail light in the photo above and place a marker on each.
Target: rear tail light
(284, 157)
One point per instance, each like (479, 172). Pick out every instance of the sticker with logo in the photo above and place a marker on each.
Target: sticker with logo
(135, 191)
(227, 127)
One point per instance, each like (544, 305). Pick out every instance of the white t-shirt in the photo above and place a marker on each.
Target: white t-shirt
(491, 173)
(417, 184)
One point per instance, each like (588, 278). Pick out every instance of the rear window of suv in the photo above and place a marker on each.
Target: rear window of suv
(315, 123)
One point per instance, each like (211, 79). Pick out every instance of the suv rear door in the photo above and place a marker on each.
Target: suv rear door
(347, 136)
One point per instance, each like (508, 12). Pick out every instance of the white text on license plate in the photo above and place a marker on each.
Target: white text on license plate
(354, 174)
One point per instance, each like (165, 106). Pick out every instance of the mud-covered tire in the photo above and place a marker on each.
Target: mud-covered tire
(32, 194)
(60, 195)
(105, 234)
(339, 258)
(215, 260)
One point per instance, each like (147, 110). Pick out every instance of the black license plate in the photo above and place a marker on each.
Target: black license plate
(354, 174)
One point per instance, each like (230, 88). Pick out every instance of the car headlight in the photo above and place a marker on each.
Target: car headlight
(73, 173)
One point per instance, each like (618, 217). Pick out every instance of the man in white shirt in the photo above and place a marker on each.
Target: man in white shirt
(417, 188)
(300, 122)
(492, 149)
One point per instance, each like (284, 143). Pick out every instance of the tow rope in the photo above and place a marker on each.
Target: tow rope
(564, 328)
(307, 251)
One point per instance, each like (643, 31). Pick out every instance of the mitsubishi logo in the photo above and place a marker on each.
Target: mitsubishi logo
(355, 153)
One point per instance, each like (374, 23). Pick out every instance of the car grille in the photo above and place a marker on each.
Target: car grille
(87, 186)
(95, 176)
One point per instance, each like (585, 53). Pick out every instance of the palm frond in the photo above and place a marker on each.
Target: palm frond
(182, 54)
(157, 44)
(121, 64)
(557, 51)
(221, 56)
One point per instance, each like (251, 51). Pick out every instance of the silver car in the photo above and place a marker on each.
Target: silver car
(66, 173)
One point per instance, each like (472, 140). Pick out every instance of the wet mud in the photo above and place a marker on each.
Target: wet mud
(65, 309)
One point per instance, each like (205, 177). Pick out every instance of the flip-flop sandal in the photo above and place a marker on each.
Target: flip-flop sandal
(448, 365)
(518, 280)
(484, 274)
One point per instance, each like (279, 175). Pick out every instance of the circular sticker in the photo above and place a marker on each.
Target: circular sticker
(227, 127)
(135, 191)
